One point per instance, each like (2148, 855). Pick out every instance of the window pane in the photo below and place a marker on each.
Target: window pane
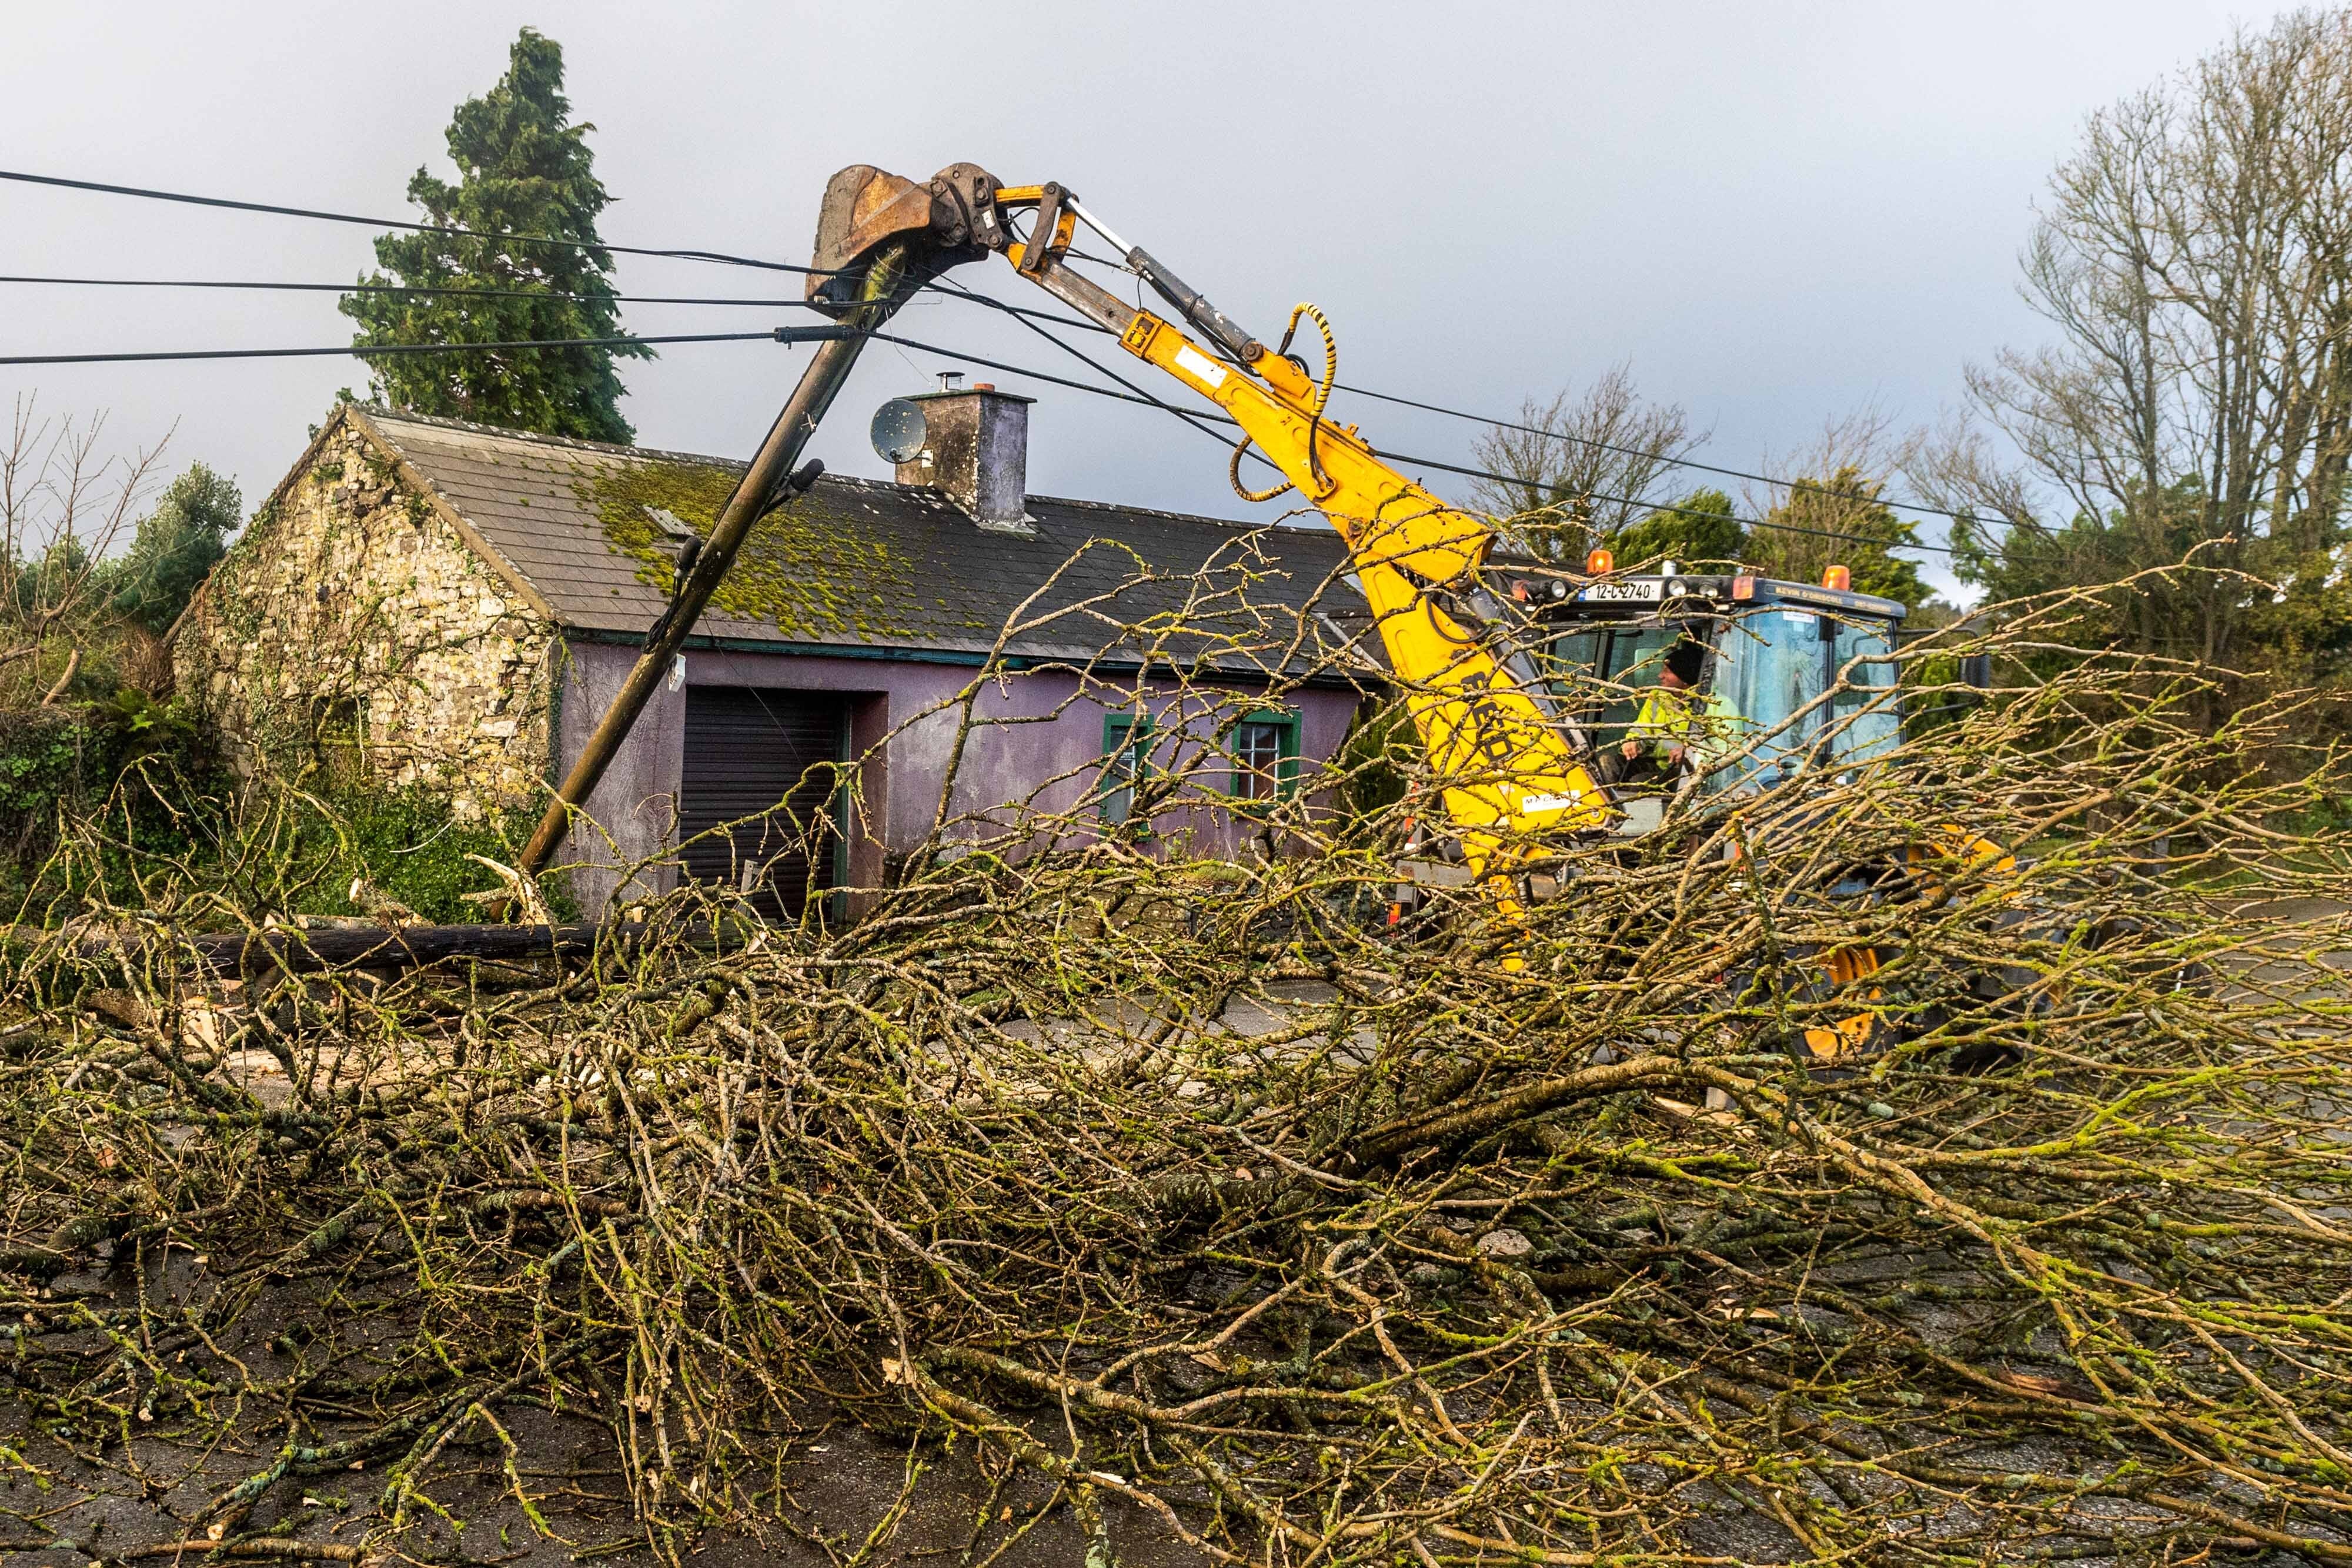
(1129, 756)
(1636, 658)
(1869, 723)
(1257, 759)
(1769, 667)
(1574, 656)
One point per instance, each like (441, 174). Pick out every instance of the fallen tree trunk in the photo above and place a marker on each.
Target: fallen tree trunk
(389, 948)
(308, 949)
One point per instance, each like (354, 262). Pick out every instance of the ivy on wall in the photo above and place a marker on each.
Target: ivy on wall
(351, 623)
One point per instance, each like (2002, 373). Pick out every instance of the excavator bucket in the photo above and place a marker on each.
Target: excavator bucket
(950, 219)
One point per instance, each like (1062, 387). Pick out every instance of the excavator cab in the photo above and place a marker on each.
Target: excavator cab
(1793, 678)
(1793, 681)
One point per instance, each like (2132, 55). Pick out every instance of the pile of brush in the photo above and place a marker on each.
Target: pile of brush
(1219, 1205)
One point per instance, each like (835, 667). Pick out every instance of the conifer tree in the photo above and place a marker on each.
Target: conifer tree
(1841, 518)
(174, 548)
(523, 170)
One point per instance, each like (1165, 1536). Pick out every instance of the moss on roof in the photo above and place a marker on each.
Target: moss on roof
(810, 570)
(855, 562)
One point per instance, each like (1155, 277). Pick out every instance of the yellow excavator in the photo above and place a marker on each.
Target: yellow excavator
(1499, 677)
(1511, 686)
(1513, 765)
(1481, 658)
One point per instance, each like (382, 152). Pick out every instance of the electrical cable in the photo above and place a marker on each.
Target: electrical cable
(1813, 485)
(1149, 401)
(800, 334)
(804, 334)
(273, 209)
(946, 286)
(1146, 399)
(143, 193)
(728, 259)
(955, 290)
(1678, 511)
(1189, 416)
(406, 288)
(974, 297)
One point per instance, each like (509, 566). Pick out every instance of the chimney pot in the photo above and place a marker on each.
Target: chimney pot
(976, 453)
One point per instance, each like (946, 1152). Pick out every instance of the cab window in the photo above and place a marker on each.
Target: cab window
(1869, 723)
(1770, 668)
(1637, 656)
(1574, 662)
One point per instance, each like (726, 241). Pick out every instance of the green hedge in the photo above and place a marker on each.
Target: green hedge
(62, 765)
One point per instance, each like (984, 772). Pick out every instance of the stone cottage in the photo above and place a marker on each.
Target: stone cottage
(425, 602)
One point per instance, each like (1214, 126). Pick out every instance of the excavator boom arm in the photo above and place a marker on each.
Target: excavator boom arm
(1508, 765)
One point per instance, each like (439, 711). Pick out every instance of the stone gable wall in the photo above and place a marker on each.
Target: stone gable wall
(349, 621)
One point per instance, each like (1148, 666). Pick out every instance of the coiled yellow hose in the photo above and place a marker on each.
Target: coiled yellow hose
(1324, 485)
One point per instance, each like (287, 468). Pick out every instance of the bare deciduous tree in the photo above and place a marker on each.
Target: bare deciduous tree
(1587, 464)
(2195, 259)
(64, 504)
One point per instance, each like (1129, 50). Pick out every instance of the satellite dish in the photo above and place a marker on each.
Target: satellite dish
(899, 430)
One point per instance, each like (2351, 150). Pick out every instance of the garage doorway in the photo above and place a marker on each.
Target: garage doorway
(757, 758)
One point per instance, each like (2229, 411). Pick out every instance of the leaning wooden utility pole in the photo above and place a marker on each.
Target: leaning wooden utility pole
(874, 247)
(769, 482)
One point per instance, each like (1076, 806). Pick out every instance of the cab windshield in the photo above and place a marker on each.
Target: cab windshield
(1770, 668)
(1775, 664)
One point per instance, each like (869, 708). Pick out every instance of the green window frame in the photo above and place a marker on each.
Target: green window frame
(1264, 746)
(1127, 762)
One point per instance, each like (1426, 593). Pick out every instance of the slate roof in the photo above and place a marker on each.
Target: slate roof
(862, 563)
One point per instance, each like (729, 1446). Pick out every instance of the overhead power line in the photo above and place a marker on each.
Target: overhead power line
(941, 286)
(272, 208)
(273, 285)
(1190, 416)
(955, 290)
(808, 334)
(776, 335)
(1029, 318)
(1686, 511)
(1812, 484)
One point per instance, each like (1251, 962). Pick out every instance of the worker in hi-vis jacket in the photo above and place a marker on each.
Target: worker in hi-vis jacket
(1677, 725)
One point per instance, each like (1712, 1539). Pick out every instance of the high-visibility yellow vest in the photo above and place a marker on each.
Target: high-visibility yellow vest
(1668, 718)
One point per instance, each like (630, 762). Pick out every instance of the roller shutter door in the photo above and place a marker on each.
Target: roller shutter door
(755, 756)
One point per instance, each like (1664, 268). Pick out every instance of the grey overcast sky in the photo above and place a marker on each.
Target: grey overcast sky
(1775, 213)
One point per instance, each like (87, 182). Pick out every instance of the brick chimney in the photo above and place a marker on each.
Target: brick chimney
(976, 453)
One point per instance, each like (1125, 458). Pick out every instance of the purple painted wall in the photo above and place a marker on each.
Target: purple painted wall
(1034, 748)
